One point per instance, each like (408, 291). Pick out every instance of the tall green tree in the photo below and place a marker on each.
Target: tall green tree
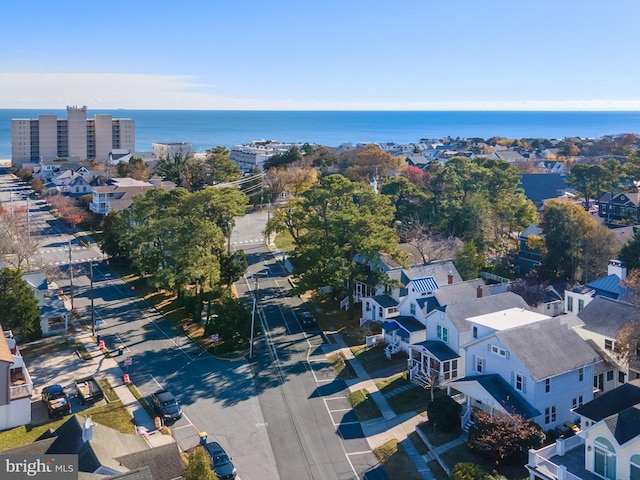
(199, 467)
(333, 224)
(630, 252)
(174, 168)
(20, 311)
(576, 247)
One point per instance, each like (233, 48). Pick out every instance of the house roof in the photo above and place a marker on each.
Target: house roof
(425, 284)
(620, 410)
(532, 229)
(404, 325)
(542, 186)
(608, 286)
(548, 348)
(385, 301)
(449, 294)
(36, 280)
(506, 396)
(163, 461)
(459, 312)
(5, 352)
(606, 316)
(438, 270)
(507, 319)
(439, 349)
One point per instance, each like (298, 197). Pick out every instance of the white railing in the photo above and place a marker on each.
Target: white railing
(20, 391)
(373, 340)
(466, 416)
(413, 371)
(344, 304)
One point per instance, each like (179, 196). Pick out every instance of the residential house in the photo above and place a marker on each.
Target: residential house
(610, 286)
(552, 166)
(15, 384)
(529, 255)
(54, 316)
(607, 446)
(623, 206)
(118, 195)
(448, 330)
(539, 187)
(106, 453)
(602, 318)
(524, 363)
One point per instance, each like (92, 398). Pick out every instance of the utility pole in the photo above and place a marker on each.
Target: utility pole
(93, 312)
(253, 316)
(70, 276)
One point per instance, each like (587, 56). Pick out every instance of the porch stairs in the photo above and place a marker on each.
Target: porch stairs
(466, 421)
(421, 379)
(392, 349)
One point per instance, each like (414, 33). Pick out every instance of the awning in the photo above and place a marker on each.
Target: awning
(391, 326)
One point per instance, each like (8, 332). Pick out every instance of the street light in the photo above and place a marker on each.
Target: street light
(70, 277)
(93, 312)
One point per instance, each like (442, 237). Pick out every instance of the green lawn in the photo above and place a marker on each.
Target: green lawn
(438, 437)
(364, 406)
(463, 453)
(373, 359)
(412, 400)
(113, 415)
(392, 383)
(395, 462)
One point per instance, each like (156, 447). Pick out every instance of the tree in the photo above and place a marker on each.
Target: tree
(469, 261)
(370, 162)
(135, 168)
(468, 471)
(332, 223)
(232, 266)
(569, 234)
(37, 185)
(444, 413)
(231, 321)
(199, 466)
(20, 311)
(281, 159)
(630, 252)
(174, 168)
(627, 344)
(216, 167)
(17, 244)
(503, 438)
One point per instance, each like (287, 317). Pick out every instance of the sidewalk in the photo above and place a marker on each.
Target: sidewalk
(110, 369)
(391, 426)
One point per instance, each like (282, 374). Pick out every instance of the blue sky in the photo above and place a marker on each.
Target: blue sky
(321, 54)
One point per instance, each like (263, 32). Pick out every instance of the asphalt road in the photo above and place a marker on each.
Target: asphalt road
(314, 432)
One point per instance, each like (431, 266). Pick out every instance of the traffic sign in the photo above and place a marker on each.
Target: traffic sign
(128, 361)
(214, 338)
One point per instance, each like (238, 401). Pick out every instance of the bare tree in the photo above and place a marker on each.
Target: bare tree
(17, 246)
(430, 244)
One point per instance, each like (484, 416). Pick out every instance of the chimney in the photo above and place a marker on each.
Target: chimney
(617, 267)
(479, 292)
(450, 278)
(87, 429)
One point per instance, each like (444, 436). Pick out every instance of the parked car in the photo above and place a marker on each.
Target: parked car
(56, 401)
(220, 462)
(307, 320)
(88, 390)
(166, 406)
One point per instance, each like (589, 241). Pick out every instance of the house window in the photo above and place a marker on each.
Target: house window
(580, 305)
(454, 368)
(392, 310)
(581, 374)
(577, 401)
(604, 458)
(498, 351)
(570, 304)
(479, 365)
(634, 467)
(412, 308)
(368, 306)
(443, 333)
(518, 382)
(620, 377)
(475, 332)
(608, 344)
(550, 414)
(609, 375)
(547, 385)
(380, 312)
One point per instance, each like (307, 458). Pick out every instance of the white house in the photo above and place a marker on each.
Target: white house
(15, 384)
(610, 286)
(54, 316)
(538, 368)
(607, 446)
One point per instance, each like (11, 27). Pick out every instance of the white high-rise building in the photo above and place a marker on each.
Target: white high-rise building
(77, 137)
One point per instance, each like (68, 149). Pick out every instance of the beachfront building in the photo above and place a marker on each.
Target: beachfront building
(171, 149)
(253, 155)
(76, 137)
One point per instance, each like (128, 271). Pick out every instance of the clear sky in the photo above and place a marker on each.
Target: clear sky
(321, 54)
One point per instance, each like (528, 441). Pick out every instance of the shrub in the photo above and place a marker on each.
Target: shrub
(444, 413)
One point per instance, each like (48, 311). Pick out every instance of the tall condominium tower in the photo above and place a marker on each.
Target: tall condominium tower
(77, 137)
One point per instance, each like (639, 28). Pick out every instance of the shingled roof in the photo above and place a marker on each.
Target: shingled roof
(606, 316)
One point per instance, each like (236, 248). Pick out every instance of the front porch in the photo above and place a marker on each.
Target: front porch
(432, 363)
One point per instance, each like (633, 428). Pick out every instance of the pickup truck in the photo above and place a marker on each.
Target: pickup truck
(55, 400)
(88, 390)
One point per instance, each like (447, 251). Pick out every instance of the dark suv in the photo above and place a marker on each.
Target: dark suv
(220, 461)
(307, 319)
(166, 406)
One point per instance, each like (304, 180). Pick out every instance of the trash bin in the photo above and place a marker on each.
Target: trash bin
(203, 438)
(120, 350)
(98, 338)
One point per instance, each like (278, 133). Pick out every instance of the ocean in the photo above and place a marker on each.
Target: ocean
(211, 128)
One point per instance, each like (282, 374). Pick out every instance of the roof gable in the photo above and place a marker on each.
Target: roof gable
(606, 316)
